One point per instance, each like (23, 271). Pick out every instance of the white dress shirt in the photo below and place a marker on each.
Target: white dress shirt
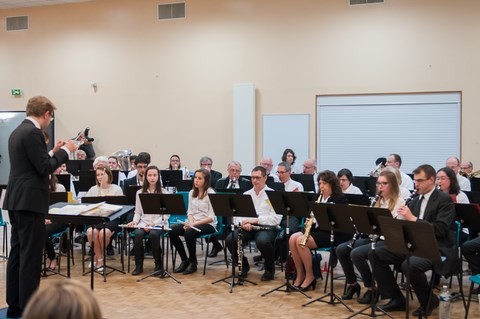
(464, 183)
(265, 213)
(293, 186)
(407, 181)
(352, 189)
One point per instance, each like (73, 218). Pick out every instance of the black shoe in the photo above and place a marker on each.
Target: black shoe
(110, 251)
(257, 258)
(182, 267)
(14, 312)
(352, 290)
(158, 269)
(137, 271)
(367, 297)
(394, 305)
(312, 285)
(268, 275)
(433, 305)
(217, 247)
(244, 273)
(191, 268)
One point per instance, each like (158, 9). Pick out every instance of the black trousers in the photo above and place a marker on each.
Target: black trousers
(264, 240)
(25, 260)
(471, 251)
(387, 284)
(282, 243)
(357, 256)
(139, 248)
(191, 236)
(51, 229)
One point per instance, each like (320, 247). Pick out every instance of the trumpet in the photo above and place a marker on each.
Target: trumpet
(377, 170)
(308, 225)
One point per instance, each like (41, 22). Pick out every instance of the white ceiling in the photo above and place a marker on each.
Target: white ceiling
(10, 4)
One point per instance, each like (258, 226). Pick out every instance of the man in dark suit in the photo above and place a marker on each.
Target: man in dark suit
(27, 200)
(434, 207)
(141, 163)
(233, 180)
(206, 162)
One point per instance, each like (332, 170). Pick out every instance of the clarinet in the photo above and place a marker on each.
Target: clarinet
(258, 227)
(408, 200)
(240, 248)
(355, 236)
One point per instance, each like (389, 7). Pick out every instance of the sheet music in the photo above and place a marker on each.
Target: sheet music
(100, 209)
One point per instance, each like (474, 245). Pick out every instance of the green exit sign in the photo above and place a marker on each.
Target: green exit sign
(16, 92)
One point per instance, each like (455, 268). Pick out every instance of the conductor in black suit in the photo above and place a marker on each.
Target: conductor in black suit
(27, 200)
(434, 207)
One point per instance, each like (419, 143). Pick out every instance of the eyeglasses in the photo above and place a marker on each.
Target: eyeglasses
(382, 183)
(442, 178)
(257, 177)
(265, 164)
(420, 180)
(206, 164)
(281, 172)
(52, 116)
(174, 160)
(465, 167)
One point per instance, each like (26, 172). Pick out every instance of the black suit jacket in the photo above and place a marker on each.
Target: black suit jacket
(128, 182)
(215, 176)
(223, 183)
(30, 165)
(440, 212)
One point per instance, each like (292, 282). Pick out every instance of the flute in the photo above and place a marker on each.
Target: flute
(143, 227)
(192, 227)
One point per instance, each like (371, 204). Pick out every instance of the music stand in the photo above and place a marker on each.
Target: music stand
(162, 204)
(168, 176)
(331, 217)
(358, 199)
(365, 220)
(115, 200)
(410, 239)
(289, 204)
(306, 180)
(131, 193)
(276, 186)
(86, 179)
(75, 166)
(64, 179)
(233, 205)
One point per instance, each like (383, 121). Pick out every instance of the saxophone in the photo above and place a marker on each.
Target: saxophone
(308, 225)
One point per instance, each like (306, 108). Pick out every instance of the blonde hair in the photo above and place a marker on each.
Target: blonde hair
(67, 299)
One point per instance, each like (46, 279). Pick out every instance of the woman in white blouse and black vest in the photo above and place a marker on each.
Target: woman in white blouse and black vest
(201, 216)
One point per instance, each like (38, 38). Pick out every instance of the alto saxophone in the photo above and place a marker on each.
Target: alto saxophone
(308, 225)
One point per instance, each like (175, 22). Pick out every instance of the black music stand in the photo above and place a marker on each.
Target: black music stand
(358, 199)
(307, 181)
(168, 176)
(365, 220)
(289, 204)
(64, 179)
(332, 218)
(410, 239)
(162, 204)
(115, 200)
(233, 205)
(75, 166)
(131, 193)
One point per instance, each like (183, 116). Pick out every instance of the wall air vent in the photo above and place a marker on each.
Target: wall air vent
(354, 2)
(171, 11)
(17, 23)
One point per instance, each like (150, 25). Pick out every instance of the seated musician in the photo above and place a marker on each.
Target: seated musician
(53, 227)
(436, 208)
(447, 182)
(330, 192)
(264, 237)
(176, 165)
(345, 177)
(388, 193)
(404, 192)
(151, 184)
(103, 187)
(201, 221)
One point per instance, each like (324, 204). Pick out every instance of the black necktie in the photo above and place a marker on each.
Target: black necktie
(418, 205)
(232, 184)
